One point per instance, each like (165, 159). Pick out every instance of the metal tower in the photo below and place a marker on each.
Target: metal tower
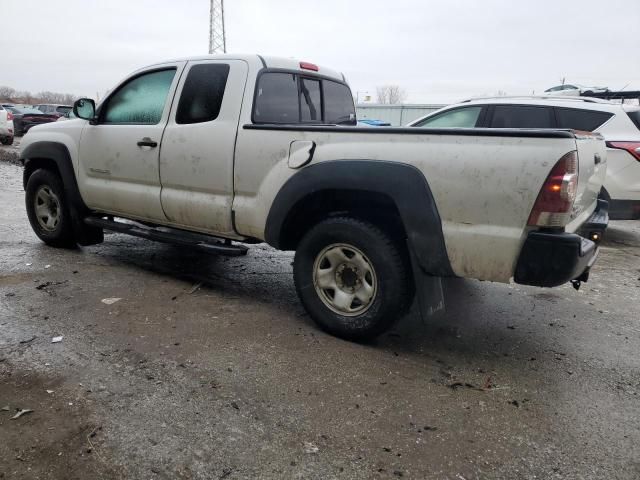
(217, 42)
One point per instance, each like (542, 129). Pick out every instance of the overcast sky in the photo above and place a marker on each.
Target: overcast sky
(438, 51)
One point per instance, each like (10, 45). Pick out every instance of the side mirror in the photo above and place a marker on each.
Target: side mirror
(85, 108)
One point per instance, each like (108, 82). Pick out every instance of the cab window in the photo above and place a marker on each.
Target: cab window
(202, 93)
(140, 100)
(466, 117)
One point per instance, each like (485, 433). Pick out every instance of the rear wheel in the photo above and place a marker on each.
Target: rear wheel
(352, 278)
(6, 140)
(47, 209)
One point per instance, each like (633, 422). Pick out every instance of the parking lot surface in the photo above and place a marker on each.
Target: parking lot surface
(208, 367)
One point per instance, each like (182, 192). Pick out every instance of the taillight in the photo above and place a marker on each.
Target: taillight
(9, 116)
(632, 147)
(555, 200)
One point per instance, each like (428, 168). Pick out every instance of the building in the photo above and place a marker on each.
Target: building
(396, 115)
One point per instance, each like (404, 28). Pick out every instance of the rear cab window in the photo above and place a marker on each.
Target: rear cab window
(294, 98)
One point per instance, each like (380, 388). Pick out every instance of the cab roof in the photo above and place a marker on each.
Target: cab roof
(260, 61)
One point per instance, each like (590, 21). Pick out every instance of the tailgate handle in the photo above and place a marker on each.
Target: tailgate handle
(597, 159)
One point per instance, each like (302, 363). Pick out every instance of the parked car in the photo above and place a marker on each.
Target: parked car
(618, 123)
(67, 116)
(53, 109)
(574, 90)
(26, 117)
(214, 149)
(6, 126)
(367, 122)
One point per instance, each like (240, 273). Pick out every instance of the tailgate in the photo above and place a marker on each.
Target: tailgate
(592, 157)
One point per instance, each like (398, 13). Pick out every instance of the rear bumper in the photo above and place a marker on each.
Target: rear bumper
(549, 259)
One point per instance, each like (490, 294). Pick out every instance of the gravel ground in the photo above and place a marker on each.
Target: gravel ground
(208, 367)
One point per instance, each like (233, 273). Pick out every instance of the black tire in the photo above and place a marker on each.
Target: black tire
(6, 140)
(60, 233)
(388, 261)
(17, 132)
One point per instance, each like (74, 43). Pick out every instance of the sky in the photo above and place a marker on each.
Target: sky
(437, 51)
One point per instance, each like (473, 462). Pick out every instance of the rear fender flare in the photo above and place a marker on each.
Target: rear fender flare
(403, 183)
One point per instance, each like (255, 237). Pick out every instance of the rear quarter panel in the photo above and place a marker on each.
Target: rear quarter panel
(484, 186)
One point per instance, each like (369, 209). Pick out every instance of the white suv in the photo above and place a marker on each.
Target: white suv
(6, 126)
(618, 123)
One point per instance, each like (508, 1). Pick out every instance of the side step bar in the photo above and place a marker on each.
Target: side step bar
(170, 235)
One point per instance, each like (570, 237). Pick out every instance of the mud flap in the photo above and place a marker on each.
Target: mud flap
(428, 289)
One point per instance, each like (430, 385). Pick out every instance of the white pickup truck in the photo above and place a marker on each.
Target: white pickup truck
(217, 152)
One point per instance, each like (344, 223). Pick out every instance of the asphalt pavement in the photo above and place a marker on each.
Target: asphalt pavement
(182, 365)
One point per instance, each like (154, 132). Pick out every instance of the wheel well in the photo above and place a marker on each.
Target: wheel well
(34, 164)
(375, 207)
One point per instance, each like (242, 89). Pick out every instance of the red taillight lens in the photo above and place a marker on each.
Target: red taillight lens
(9, 116)
(632, 147)
(554, 202)
(309, 66)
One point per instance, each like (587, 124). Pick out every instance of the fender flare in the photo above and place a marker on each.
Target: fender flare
(404, 184)
(59, 154)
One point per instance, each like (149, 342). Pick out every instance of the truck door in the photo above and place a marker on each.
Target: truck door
(196, 158)
(118, 165)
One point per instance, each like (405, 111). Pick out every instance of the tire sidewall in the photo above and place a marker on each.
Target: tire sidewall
(387, 305)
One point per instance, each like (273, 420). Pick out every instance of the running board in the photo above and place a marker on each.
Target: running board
(198, 241)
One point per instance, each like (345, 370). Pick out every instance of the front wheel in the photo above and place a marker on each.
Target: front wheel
(353, 279)
(47, 209)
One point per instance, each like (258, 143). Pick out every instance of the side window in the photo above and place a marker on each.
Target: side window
(310, 101)
(521, 116)
(202, 93)
(141, 100)
(276, 99)
(466, 117)
(338, 104)
(577, 119)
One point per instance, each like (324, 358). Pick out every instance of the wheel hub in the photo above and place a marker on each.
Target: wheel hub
(47, 208)
(345, 279)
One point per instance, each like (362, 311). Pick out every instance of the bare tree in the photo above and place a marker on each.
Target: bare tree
(11, 94)
(6, 93)
(390, 94)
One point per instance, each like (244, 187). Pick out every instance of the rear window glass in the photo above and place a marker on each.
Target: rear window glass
(635, 117)
(291, 98)
(310, 101)
(338, 104)
(518, 116)
(577, 119)
(63, 109)
(202, 93)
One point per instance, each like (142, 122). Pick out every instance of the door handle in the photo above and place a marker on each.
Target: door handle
(147, 142)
